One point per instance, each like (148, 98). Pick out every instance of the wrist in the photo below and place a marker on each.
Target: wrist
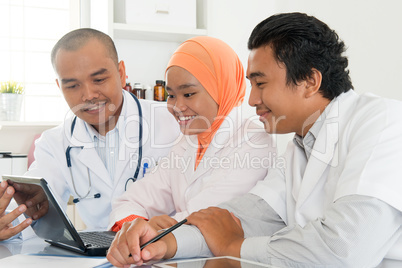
(171, 245)
(234, 248)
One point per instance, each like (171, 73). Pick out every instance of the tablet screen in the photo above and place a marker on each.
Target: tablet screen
(218, 262)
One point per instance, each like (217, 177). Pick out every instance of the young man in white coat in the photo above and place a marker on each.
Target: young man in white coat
(94, 155)
(337, 200)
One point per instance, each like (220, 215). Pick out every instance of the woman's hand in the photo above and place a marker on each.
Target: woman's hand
(128, 241)
(162, 222)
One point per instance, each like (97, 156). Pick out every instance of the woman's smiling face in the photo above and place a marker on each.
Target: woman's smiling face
(189, 102)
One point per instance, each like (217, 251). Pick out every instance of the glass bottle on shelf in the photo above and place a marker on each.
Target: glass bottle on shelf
(159, 91)
(149, 92)
(128, 86)
(142, 93)
(139, 91)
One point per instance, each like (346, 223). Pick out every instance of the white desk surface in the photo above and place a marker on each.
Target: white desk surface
(38, 246)
(30, 247)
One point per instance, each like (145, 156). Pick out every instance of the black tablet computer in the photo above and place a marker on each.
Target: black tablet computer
(54, 226)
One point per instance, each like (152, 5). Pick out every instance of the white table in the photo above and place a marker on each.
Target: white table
(38, 246)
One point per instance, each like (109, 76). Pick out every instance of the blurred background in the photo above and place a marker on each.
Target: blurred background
(146, 33)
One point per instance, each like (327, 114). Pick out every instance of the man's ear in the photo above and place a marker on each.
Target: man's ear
(313, 83)
(57, 82)
(122, 73)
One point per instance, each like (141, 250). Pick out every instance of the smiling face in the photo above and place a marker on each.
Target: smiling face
(189, 102)
(282, 107)
(91, 84)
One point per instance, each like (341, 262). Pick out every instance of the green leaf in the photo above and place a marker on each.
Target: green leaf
(11, 87)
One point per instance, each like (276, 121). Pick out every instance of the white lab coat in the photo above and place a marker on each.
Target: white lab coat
(358, 151)
(239, 155)
(160, 132)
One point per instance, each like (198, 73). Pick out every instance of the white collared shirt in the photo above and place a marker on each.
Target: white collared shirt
(107, 146)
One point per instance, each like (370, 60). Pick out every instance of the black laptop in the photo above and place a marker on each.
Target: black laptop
(54, 226)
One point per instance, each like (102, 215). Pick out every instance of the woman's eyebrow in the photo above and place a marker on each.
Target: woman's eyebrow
(183, 86)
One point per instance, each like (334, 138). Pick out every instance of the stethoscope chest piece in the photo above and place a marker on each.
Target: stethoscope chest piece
(78, 199)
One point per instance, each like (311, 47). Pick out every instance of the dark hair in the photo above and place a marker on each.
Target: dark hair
(78, 38)
(303, 42)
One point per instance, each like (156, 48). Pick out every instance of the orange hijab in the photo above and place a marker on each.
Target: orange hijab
(218, 68)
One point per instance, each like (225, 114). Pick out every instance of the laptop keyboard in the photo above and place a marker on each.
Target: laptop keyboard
(96, 239)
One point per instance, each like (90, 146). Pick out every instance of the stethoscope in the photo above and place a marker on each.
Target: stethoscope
(133, 179)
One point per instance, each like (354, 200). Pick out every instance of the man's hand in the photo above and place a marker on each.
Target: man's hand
(6, 228)
(128, 241)
(221, 229)
(33, 197)
(162, 222)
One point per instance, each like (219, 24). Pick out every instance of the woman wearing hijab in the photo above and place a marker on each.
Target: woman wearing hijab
(218, 157)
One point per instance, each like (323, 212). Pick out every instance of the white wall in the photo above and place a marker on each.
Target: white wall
(19, 138)
(145, 60)
(371, 30)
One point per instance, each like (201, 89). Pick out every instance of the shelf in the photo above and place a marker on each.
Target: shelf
(153, 33)
(19, 124)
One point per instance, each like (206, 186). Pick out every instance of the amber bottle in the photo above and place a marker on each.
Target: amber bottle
(159, 91)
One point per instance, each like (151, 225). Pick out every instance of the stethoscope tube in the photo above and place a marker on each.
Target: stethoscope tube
(133, 179)
(140, 138)
(68, 158)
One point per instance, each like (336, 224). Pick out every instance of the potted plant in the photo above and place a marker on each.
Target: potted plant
(11, 96)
